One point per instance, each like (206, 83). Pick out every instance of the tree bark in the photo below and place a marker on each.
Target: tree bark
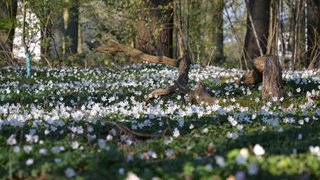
(218, 30)
(257, 30)
(45, 17)
(313, 28)
(71, 22)
(155, 28)
(296, 35)
(272, 85)
(8, 13)
(273, 27)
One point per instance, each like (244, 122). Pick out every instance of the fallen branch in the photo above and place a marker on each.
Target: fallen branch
(114, 46)
(199, 95)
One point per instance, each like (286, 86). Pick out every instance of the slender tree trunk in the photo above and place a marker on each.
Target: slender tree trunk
(218, 29)
(313, 19)
(155, 28)
(239, 42)
(203, 31)
(8, 13)
(296, 41)
(45, 30)
(257, 30)
(23, 37)
(13, 13)
(273, 27)
(57, 39)
(71, 17)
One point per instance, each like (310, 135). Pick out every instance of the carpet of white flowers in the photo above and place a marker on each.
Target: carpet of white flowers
(52, 125)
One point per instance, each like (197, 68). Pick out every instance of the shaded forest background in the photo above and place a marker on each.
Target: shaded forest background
(229, 33)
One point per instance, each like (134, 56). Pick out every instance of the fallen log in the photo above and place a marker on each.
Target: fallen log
(199, 95)
(254, 76)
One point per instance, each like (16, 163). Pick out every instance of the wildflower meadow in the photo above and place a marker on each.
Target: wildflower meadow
(79, 123)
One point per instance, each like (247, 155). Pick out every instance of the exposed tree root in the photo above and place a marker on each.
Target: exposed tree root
(160, 92)
(198, 96)
(128, 131)
(201, 95)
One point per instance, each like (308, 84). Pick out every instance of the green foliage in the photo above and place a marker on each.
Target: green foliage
(5, 25)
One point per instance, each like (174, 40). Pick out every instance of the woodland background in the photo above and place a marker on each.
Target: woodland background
(92, 115)
(229, 33)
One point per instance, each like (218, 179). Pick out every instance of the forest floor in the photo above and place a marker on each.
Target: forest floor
(95, 124)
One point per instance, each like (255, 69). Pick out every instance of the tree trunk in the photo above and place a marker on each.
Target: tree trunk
(272, 85)
(8, 13)
(313, 51)
(257, 30)
(218, 30)
(155, 28)
(57, 44)
(71, 19)
(273, 27)
(296, 35)
(45, 15)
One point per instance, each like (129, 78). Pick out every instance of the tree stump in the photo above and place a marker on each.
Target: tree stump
(267, 70)
(272, 85)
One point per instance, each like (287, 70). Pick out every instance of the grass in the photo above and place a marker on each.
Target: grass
(50, 126)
